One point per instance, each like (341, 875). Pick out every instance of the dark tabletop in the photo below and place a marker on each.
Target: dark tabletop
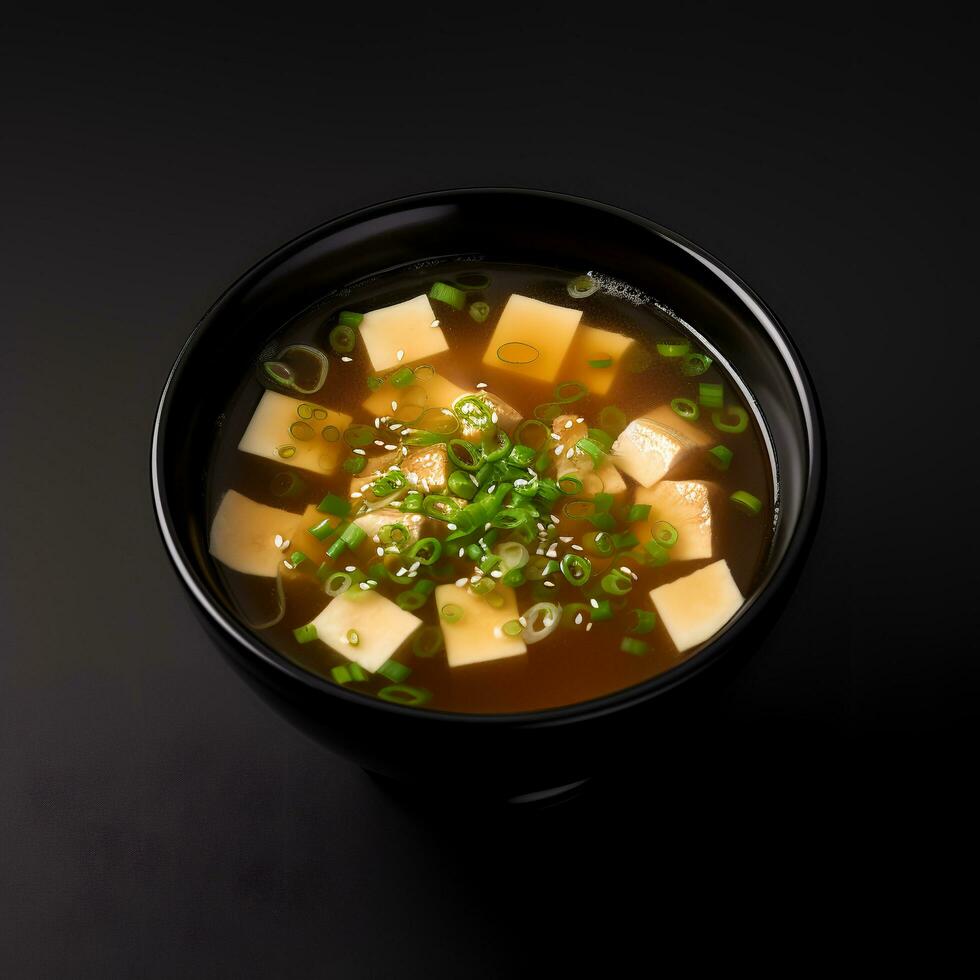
(156, 819)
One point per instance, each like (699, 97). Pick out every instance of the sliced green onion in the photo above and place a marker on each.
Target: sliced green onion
(581, 286)
(402, 377)
(513, 627)
(451, 613)
(341, 674)
(695, 363)
(686, 409)
(287, 485)
(323, 530)
(736, 412)
(601, 609)
(548, 411)
(616, 582)
(349, 319)
(576, 569)
(542, 620)
(440, 507)
(354, 464)
(410, 600)
(330, 433)
(720, 457)
(337, 584)
(403, 694)
(605, 361)
(573, 611)
(461, 485)
(625, 540)
(465, 455)
(450, 295)
(353, 638)
(570, 391)
(412, 502)
(358, 436)
(664, 533)
(656, 553)
(394, 671)
(638, 512)
(602, 439)
(480, 311)
(482, 586)
(286, 452)
(746, 502)
(343, 339)
(644, 621)
(521, 433)
(393, 534)
(598, 543)
(332, 504)
(613, 420)
(497, 447)
(305, 634)
(353, 535)
(632, 646)
(374, 382)
(711, 395)
(570, 484)
(426, 550)
(673, 348)
(514, 579)
(284, 373)
(592, 449)
(337, 548)
(302, 431)
(428, 641)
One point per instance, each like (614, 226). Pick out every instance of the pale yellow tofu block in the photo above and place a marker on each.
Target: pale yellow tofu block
(249, 537)
(592, 344)
(687, 505)
(477, 636)
(300, 538)
(695, 607)
(381, 627)
(650, 445)
(402, 334)
(534, 337)
(407, 403)
(605, 479)
(268, 434)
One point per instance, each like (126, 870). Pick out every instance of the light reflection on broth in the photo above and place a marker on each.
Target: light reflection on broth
(475, 529)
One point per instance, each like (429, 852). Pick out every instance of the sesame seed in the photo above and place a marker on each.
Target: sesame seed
(570, 453)
(588, 626)
(578, 619)
(379, 442)
(394, 426)
(568, 539)
(558, 450)
(364, 586)
(496, 573)
(580, 421)
(394, 406)
(549, 585)
(461, 582)
(554, 435)
(481, 384)
(279, 541)
(351, 568)
(452, 527)
(381, 552)
(522, 620)
(389, 446)
(435, 323)
(360, 452)
(399, 354)
(372, 582)
(462, 551)
(346, 359)
(494, 418)
(357, 494)
(594, 603)
(569, 424)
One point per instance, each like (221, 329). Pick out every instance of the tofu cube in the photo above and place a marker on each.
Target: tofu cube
(687, 505)
(402, 334)
(477, 636)
(532, 338)
(381, 627)
(695, 607)
(249, 537)
(605, 479)
(410, 400)
(278, 431)
(650, 445)
(593, 344)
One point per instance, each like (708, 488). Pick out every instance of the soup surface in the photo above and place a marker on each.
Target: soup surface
(482, 487)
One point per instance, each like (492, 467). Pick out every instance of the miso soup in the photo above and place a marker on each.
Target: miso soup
(487, 487)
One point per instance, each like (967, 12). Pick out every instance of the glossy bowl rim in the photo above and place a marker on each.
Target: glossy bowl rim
(609, 703)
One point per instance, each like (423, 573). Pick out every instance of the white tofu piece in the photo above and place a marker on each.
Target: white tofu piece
(410, 400)
(695, 607)
(405, 327)
(534, 337)
(249, 537)
(427, 469)
(605, 479)
(592, 344)
(687, 505)
(653, 443)
(381, 626)
(477, 637)
(268, 434)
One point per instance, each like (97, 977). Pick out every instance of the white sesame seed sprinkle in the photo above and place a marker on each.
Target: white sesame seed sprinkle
(588, 626)
(570, 453)
(580, 421)
(350, 568)
(462, 551)
(494, 418)
(461, 582)
(360, 452)
(496, 573)
(435, 323)
(394, 406)
(594, 603)
(381, 552)
(451, 526)
(569, 424)
(481, 384)
(549, 585)
(390, 447)
(364, 586)
(399, 354)
(346, 359)
(566, 539)
(356, 494)
(578, 619)
(379, 442)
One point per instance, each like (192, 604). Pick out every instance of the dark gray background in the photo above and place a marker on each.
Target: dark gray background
(156, 820)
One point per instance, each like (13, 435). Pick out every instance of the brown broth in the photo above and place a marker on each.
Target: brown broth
(571, 665)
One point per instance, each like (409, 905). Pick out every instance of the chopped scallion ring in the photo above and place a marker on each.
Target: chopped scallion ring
(581, 286)
(635, 647)
(479, 312)
(450, 295)
(305, 634)
(711, 395)
(720, 457)
(694, 363)
(664, 533)
(686, 409)
(451, 613)
(736, 412)
(403, 694)
(343, 339)
(673, 348)
(604, 361)
(746, 502)
(644, 621)
(513, 627)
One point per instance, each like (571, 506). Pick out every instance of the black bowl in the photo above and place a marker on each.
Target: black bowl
(501, 754)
